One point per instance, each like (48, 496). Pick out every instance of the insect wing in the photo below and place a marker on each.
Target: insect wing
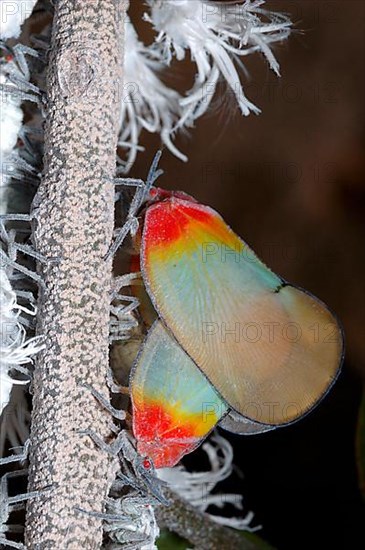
(174, 405)
(252, 334)
(237, 424)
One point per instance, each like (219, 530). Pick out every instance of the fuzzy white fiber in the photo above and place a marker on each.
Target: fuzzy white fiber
(15, 348)
(13, 13)
(11, 119)
(146, 101)
(216, 35)
(197, 487)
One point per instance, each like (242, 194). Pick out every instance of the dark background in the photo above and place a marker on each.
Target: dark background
(291, 183)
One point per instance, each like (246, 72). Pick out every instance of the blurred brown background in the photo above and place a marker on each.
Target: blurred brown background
(291, 183)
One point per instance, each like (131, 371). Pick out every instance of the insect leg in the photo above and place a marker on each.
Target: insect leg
(17, 458)
(116, 413)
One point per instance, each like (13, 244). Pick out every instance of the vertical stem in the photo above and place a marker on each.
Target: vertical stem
(74, 210)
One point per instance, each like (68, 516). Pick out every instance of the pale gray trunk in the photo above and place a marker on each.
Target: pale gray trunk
(75, 218)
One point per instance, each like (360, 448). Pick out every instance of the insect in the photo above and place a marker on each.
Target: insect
(232, 342)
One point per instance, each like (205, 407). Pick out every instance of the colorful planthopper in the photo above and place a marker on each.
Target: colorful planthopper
(232, 343)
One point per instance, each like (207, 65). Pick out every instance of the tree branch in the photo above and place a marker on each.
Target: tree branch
(74, 210)
(185, 520)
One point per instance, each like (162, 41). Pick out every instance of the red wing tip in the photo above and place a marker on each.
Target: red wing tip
(179, 212)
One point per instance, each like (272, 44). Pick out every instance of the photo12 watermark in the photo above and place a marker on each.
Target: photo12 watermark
(254, 411)
(271, 332)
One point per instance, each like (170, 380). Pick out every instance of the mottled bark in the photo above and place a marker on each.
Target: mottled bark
(74, 210)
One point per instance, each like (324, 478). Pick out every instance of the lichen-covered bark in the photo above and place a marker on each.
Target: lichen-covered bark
(74, 210)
